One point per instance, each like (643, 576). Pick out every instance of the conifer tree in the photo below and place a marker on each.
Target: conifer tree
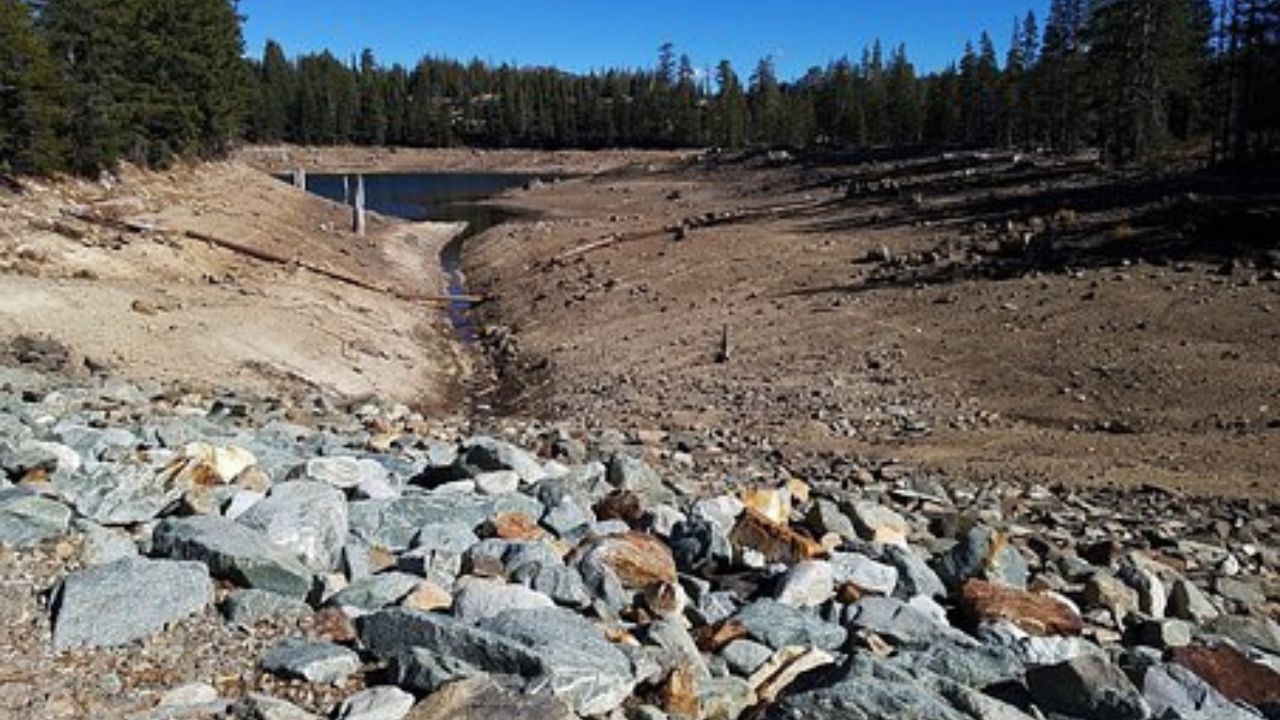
(30, 114)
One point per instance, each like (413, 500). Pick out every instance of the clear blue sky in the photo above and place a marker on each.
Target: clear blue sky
(582, 35)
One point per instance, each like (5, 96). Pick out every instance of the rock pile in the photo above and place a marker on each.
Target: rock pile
(530, 573)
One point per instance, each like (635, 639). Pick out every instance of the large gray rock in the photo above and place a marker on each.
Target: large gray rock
(28, 519)
(485, 454)
(234, 552)
(125, 494)
(553, 649)
(118, 603)
(375, 591)
(915, 577)
(104, 545)
(316, 662)
(55, 460)
(1089, 688)
(898, 621)
(477, 599)
(869, 575)
(343, 472)
(309, 519)
(1260, 632)
(871, 689)
(778, 625)
(1173, 691)
(982, 553)
(246, 608)
(393, 524)
(384, 702)
(481, 698)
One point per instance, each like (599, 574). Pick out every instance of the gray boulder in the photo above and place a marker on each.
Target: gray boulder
(982, 553)
(28, 519)
(393, 524)
(778, 625)
(315, 662)
(309, 519)
(477, 599)
(115, 604)
(233, 552)
(375, 591)
(246, 608)
(552, 648)
(1089, 688)
(384, 702)
(125, 494)
(485, 454)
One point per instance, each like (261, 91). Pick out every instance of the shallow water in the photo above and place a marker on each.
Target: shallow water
(443, 197)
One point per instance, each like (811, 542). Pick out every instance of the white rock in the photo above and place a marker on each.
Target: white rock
(808, 584)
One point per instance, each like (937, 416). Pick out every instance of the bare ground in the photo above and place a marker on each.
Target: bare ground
(125, 276)
(989, 318)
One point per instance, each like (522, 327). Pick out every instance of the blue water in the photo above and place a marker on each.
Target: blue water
(442, 197)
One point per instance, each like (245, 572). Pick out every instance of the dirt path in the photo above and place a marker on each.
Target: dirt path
(162, 304)
(891, 323)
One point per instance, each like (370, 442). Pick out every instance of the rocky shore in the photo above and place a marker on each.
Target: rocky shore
(165, 554)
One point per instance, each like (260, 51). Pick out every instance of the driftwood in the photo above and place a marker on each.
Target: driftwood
(267, 257)
(357, 208)
(681, 231)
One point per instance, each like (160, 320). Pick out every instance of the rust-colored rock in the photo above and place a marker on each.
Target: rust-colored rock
(1035, 613)
(515, 526)
(1232, 674)
(774, 504)
(621, 505)
(714, 638)
(428, 597)
(680, 693)
(639, 560)
(333, 625)
(778, 543)
(848, 593)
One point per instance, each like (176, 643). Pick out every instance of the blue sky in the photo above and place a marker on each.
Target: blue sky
(580, 35)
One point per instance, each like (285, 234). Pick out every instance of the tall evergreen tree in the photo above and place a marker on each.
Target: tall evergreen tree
(30, 111)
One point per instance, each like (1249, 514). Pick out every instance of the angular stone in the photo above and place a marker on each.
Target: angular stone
(384, 702)
(562, 584)
(778, 543)
(878, 524)
(1143, 575)
(722, 511)
(778, 625)
(247, 608)
(567, 516)
(393, 524)
(1089, 688)
(895, 619)
(314, 662)
(484, 454)
(628, 473)
(786, 665)
(915, 577)
(1259, 632)
(115, 604)
(825, 517)
(552, 648)
(1173, 691)
(375, 591)
(1103, 591)
(233, 552)
(1188, 602)
(1247, 594)
(1036, 613)
(27, 519)
(744, 657)
(427, 597)
(773, 503)
(1232, 674)
(808, 584)
(309, 519)
(480, 698)
(342, 472)
(868, 575)
(1164, 633)
(477, 599)
(636, 559)
(985, 554)
(122, 494)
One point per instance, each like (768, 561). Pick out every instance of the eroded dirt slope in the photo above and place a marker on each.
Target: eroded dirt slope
(990, 317)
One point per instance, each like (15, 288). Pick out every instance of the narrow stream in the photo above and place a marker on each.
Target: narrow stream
(441, 197)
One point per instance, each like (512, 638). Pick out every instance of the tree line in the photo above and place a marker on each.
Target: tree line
(86, 83)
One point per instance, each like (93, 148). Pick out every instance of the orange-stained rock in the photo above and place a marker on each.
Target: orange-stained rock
(639, 560)
(333, 625)
(515, 526)
(714, 638)
(799, 490)
(427, 597)
(778, 543)
(1035, 613)
(1232, 674)
(680, 693)
(774, 504)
